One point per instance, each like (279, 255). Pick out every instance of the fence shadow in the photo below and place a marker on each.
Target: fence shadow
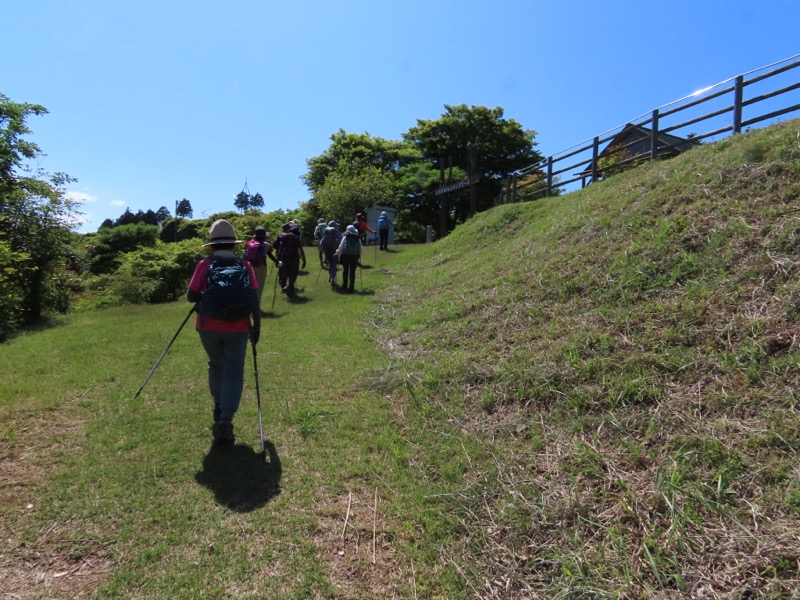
(241, 478)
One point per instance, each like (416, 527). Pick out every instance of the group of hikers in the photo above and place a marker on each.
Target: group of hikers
(227, 290)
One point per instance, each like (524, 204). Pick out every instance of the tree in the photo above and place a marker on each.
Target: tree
(148, 217)
(127, 218)
(349, 191)
(354, 151)
(36, 218)
(184, 209)
(503, 146)
(162, 214)
(419, 205)
(244, 201)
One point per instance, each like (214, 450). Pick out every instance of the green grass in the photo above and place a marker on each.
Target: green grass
(587, 396)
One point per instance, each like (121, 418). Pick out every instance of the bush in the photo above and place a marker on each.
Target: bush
(11, 294)
(158, 274)
(112, 243)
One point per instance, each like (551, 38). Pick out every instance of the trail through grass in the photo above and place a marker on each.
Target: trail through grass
(125, 497)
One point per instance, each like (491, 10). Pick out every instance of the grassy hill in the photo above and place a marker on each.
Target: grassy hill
(626, 359)
(590, 396)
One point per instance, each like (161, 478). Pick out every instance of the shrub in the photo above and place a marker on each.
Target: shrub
(158, 274)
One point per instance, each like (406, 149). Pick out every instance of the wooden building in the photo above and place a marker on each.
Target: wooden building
(632, 146)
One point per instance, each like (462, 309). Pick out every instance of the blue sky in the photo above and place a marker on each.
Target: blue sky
(154, 101)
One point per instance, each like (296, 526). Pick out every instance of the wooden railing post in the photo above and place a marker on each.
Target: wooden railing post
(514, 187)
(549, 176)
(738, 94)
(654, 137)
(595, 152)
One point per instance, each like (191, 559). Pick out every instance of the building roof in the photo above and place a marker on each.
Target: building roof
(636, 139)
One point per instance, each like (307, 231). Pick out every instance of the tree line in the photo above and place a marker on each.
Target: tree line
(148, 255)
(361, 170)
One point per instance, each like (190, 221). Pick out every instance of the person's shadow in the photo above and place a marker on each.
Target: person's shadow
(241, 479)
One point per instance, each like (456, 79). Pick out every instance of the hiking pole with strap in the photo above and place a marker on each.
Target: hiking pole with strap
(258, 402)
(174, 337)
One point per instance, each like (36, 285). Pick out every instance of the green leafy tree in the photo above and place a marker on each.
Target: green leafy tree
(162, 214)
(126, 218)
(349, 191)
(184, 209)
(419, 206)
(350, 152)
(242, 201)
(503, 147)
(36, 217)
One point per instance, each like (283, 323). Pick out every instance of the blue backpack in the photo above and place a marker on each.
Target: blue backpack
(352, 245)
(228, 295)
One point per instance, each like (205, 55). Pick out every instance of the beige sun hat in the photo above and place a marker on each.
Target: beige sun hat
(222, 232)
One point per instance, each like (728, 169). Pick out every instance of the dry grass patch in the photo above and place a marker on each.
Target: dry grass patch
(357, 543)
(61, 559)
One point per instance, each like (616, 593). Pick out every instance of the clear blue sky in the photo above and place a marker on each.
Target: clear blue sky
(154, 101)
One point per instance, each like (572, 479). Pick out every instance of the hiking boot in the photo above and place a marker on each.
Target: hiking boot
(223, 433)
(217, 413)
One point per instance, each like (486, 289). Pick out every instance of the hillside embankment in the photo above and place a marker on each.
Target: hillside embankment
(626, 360)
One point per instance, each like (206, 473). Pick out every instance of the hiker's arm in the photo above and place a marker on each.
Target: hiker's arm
(194, 293)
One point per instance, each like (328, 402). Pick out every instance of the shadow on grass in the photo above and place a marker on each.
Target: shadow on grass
(295, 299)
(241, 479)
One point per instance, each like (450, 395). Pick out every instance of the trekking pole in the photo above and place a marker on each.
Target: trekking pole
(361, 274)
(174, 337)
(318, 274)
(275, 287)
(258, 402)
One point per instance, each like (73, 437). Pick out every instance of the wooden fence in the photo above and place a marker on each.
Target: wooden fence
(727, 101)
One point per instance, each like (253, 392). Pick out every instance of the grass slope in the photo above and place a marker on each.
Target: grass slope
(586, 397)
(624, 362)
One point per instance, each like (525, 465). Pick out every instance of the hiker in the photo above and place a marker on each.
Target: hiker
(225, 289)
(329, 244)
(290, 252)
(383, 229)
(349, 254)
(256, 251)
(296, 223)
(318, 231)
(363, 228)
